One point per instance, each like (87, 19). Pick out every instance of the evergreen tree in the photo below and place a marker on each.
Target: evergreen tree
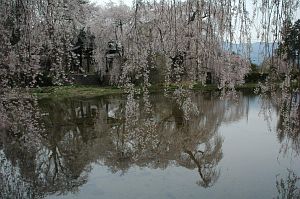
(289, 48)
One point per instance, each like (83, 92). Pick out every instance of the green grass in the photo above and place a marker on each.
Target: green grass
(93, 91)
(74, 91)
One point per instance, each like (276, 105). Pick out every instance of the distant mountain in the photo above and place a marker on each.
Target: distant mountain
(258, 50)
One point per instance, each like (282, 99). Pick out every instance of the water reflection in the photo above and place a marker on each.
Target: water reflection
(288, 128)
(287, 186)
(20, 136)
(286, 104)
(117, 132)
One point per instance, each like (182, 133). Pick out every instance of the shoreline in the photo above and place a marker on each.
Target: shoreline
(94, 91)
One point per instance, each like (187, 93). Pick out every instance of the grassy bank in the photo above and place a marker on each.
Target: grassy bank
(74, 91)
(93, 91)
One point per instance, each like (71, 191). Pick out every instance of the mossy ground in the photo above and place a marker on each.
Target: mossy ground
(74, 91)
(93, 91)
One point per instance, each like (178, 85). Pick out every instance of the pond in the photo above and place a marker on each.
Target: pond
(120, 146)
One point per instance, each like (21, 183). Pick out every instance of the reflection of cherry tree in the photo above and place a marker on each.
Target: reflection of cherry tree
(287, 106)
(52, 160)
(288, 188)
(20, 119)
(288, 128)
(167, 136)
(11, 183)
(202, 148)
(117, 134)
(205, 161)
(20, 129)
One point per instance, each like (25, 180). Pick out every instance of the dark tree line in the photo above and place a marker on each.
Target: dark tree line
(290, 45)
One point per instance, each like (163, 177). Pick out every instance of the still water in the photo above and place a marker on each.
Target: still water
(120, 147)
